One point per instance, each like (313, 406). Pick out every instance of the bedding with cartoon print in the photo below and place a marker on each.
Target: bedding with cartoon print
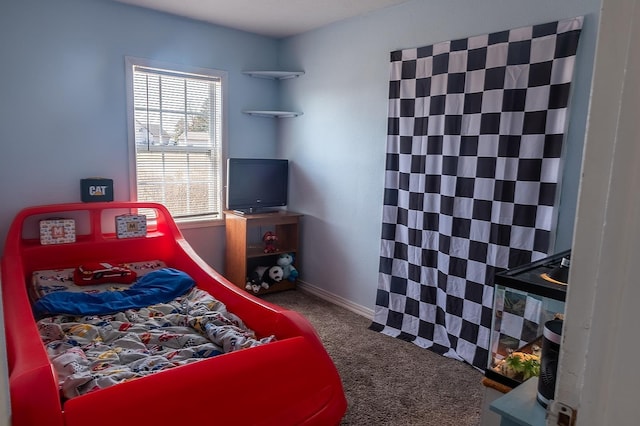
(91, 352)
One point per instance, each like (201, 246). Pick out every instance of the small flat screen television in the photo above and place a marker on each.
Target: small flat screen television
(256, 184)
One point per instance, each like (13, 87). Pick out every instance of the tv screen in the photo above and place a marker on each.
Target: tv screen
(254, 184)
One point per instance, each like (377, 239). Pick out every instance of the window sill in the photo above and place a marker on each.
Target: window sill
(199, 223)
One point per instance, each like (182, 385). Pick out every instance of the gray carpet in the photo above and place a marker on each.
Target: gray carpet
(388, 381)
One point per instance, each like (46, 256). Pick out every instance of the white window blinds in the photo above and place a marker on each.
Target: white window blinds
(178, 133)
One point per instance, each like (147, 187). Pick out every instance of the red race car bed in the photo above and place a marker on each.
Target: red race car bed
(103, 330)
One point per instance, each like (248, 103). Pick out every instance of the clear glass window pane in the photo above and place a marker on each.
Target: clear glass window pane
(178, 161)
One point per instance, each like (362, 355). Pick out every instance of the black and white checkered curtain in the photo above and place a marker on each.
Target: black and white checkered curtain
(474, 147)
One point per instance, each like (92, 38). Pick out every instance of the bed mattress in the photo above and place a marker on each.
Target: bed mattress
(92, 351)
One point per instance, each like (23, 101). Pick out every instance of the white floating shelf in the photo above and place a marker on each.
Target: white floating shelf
(273, 114)
(275, 75)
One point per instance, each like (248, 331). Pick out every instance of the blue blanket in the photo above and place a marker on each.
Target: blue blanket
(160, 286)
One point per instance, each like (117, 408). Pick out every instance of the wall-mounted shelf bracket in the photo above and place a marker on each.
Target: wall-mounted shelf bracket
(275, 75)
(273, 114)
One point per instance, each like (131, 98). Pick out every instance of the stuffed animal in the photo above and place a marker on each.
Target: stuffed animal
(264, 277)
(285, 261)
(269, 239)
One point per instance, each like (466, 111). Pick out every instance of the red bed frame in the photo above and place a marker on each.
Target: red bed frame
(290, 381)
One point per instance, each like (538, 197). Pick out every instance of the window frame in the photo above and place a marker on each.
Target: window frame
(130, 62)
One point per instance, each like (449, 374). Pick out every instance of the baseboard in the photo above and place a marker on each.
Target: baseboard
(335, 299)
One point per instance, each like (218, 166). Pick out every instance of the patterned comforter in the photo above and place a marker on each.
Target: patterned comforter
(97, 351)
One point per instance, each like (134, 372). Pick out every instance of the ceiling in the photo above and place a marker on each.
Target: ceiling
(272, 18)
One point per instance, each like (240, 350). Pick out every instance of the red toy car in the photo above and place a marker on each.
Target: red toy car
(100, 273)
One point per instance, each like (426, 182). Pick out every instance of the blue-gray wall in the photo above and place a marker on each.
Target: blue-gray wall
(63, 115)
(338, 145)
(63, 111)
(63, 98)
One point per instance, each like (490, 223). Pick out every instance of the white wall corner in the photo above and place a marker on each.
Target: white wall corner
(336, 300)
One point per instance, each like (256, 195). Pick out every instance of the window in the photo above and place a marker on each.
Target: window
(175, 134)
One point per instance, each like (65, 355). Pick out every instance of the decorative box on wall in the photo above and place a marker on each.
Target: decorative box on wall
(57, 231)
(131, 225)
(524, 299)
(96, 189)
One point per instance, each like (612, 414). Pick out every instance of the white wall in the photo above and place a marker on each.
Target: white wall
(338, 145)
(597, 373)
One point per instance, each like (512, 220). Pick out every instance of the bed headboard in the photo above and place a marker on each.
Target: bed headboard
(95, 235)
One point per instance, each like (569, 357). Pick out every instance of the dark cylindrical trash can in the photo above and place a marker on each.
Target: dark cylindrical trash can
(549, 361)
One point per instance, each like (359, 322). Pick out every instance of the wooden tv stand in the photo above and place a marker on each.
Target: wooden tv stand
(245, 248)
